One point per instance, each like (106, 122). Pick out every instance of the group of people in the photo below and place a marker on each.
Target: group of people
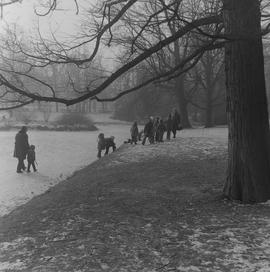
(155, 128)
(24, 151)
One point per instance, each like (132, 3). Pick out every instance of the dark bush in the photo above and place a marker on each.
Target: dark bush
(75, 122)
(5, 128)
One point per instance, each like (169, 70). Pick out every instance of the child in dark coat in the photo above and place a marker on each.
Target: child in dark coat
(105, 143)
(31, 158)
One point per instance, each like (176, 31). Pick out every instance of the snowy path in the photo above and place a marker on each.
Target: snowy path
(59, 154)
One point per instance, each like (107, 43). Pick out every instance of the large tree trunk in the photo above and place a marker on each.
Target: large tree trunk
(209, 95)
(180, 89)
(248, 177)
(182, 102)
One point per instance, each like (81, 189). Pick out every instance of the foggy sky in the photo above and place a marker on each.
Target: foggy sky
(63, 21)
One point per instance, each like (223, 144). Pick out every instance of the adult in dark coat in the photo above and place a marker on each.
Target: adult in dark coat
(148, 131)
(155, 129)
(169, 127)
(176, 120)
(160, 130)
(21, 148)
(134, 132)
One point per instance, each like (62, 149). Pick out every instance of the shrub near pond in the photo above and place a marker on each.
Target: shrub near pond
(75, 122)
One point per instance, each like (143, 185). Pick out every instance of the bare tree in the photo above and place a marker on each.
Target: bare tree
(238, 25)
(51, 53)
(249, 139)
(206, 79)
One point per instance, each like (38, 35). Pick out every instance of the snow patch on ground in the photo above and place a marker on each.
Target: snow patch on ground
(15, 243)
(192, 145)
(190, 268)
(18, 245)
(235, 244)
(17, 265)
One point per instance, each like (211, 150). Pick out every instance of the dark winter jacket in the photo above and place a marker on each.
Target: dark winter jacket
(148, 128)
(21, 145)
(161, 127)
(31, 155)
(169, 124)
(134, 131)
(104, 143)
(176, 121)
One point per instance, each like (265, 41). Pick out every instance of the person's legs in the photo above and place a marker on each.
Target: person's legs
(19, 165)
(23, 165)
(161, 136)
(168, 134)
(144, 139)
(28, 167)
(157, 136)
(140, 136)
(174, 133)
(99, 153)
(34, 167)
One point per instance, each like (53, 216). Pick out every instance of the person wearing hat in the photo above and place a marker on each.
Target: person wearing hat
(21, 148)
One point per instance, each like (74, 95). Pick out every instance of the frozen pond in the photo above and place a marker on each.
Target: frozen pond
(58, 154)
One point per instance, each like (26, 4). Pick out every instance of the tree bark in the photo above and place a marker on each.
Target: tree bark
(248, 177)
(209, 93)
(182, 102)
(180, 90)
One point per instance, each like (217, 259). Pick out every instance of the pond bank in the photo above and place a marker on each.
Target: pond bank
(58, 155)
(143, 208)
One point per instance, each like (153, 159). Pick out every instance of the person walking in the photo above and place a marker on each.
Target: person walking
(160, 130)
(169, 127)
(176, 120)
(134, 131)
(148, 131)
(21, 148)
(155, 129)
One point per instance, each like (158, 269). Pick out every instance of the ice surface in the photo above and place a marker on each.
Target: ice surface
(58, 154)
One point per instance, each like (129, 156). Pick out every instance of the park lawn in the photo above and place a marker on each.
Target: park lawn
(144, 208)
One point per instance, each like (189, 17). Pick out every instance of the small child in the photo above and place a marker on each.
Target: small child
(31, 158)
(105, 143)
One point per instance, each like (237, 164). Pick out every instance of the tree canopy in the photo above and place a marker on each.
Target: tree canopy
(133, 27)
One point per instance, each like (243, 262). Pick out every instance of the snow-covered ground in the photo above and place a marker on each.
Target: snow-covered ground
(59, 154)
